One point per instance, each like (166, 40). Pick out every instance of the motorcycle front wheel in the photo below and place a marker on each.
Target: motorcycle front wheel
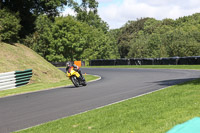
(75, 81)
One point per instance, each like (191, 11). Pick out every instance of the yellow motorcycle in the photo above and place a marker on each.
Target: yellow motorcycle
(75, 77)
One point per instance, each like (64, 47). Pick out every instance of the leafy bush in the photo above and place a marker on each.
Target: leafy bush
(9, 26)
(69, 39)
(39, 41)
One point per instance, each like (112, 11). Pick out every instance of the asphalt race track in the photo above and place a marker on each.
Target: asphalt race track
(26, 110)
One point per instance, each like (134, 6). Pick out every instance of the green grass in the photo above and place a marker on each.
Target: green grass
(192, 67)
(18, 57)
(153, 113)
(41, 86)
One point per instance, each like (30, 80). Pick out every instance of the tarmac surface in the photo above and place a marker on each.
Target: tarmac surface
(27, 110)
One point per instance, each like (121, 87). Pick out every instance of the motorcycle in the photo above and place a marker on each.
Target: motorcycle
(76, 78)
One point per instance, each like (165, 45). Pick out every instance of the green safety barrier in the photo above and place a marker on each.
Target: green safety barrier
(15, 79)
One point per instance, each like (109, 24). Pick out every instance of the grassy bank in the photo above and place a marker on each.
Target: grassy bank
(153, 113)
(18, 57)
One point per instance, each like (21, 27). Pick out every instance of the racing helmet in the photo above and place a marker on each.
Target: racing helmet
(68, 64)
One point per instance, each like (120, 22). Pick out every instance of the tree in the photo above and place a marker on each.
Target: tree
(99, 46)
(154, 46)
(40, 40)
(114, 52)
(69, 39)
(30, 9)
(183, 43)
(151, 25)
(9, 26)
(87, 12)
(127, 33)
(138, 47)
(167, 38)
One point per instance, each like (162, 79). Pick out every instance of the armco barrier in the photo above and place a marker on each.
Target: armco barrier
(193, 60)
(122, 62)
(14, 79)
(63, 64)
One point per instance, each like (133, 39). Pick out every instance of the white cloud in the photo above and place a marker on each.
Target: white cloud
(68, 11)
(105, 0)
(116, 14)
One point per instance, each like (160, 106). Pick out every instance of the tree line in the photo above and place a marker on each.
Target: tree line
(151, 38)
(57, 38)
(38, 25)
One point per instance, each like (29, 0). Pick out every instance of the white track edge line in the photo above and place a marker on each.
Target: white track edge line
(98, 107)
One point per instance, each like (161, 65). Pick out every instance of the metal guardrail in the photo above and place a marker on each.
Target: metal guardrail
(192, 60)
(63, 64)
(14, 79)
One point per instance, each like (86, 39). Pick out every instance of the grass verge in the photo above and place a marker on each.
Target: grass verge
(153, 113)
(18, 57)
(41, 86)
(191, 67)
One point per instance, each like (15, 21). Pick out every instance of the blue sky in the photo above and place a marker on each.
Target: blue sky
(106, 3)
(117, 12)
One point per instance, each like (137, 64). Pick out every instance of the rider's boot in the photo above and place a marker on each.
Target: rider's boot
(81, 76)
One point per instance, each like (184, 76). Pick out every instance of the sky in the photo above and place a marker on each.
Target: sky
(117, 12)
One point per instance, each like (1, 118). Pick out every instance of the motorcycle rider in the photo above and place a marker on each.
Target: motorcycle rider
(76, 68)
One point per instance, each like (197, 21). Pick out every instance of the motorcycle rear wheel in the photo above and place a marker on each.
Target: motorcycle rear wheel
(84, 83)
